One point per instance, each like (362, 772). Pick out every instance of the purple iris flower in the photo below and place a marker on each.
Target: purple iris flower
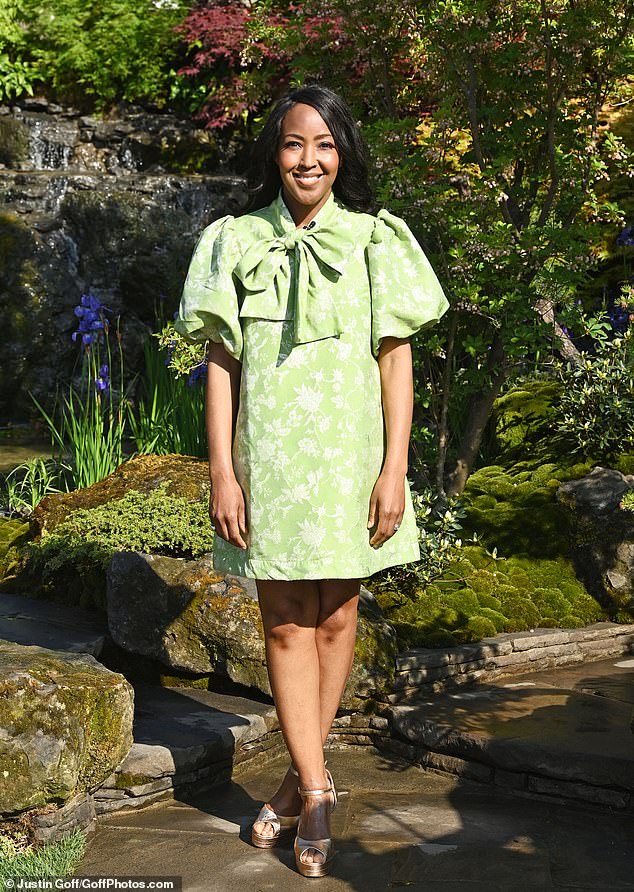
(626, 238)
(89, 312)
(198, 373)
(102, 383)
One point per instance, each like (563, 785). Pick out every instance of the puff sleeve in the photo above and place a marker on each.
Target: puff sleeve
(209, 308)
(405, 291)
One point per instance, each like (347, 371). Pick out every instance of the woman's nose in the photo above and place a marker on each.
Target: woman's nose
(307, 159)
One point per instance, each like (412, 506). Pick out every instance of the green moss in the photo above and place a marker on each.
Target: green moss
(69, 563)
(514, 594)
(498, 619)
(479, 627)
(125, 780)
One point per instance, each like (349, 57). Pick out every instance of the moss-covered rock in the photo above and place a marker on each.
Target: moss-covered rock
(14, 141)
(66, 721)
(501, 595)
(183, 476)
(524, 414)
(68, 564)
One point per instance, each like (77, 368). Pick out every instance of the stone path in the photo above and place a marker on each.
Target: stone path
(47, 624)
(565, 732)
(395, 826)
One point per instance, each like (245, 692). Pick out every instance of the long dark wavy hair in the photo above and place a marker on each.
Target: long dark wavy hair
(351, 185)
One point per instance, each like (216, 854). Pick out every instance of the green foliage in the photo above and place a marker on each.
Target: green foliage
(150, 522)
(110, 50)
(28, 483)
(186, 355)
(90, 433)
(23, 859)
(627, 501)
(170, 416)
(16, 77)
(596, 409)
(439, 527)
(480, 595)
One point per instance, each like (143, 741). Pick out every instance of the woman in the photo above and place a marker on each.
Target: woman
(308, 301)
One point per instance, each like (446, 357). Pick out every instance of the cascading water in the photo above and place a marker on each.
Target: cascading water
(91, 205)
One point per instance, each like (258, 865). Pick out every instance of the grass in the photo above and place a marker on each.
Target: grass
(20, 858)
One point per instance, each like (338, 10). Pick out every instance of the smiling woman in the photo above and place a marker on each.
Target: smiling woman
(308, 162)
(309, 301)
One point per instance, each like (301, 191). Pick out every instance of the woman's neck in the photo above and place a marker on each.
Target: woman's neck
(301, 213)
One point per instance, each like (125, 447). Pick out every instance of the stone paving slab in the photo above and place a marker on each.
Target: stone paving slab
(572, 725)
(59, 627)
(396, 825)
(179, 730)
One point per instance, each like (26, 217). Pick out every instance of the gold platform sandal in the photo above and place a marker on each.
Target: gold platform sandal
(281, 824)
(325, 845)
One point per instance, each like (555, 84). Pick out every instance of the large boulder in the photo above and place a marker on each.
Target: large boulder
(185, 477)
(603, 549)
(190, 618)
(65, 725)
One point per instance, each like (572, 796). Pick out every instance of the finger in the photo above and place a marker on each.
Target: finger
(372, 514)
(221, 529)
(385, 529)
(234, 533)
(242, 521)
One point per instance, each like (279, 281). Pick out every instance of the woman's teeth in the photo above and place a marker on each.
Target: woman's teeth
(307, 179)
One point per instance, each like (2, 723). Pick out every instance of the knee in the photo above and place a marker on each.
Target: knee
(337, 622)
(285, 633)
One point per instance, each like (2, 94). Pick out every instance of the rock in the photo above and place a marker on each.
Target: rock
(129, 194)
(65, 725)
(603, 546)
(599, 492)
(190, 618)
(186, 477)
(186, 615)
(13, 532)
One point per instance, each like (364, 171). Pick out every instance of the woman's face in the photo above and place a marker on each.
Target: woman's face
(306, 156)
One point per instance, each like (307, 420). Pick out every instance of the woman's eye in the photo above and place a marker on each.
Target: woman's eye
(326, 145)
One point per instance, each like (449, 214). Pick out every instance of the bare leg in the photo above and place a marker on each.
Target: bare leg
(310, 630)
(335, 636)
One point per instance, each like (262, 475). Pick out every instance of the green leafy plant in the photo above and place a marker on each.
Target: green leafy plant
(171, 411)
(108, 50)
(627, 501)
(91, 431)
(439, 529)
(596, 407)
(28, 483)
(21, 858)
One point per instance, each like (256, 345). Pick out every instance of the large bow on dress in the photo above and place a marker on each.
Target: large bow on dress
(320, 254)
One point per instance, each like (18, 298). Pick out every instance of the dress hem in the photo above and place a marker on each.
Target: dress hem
(278, 570)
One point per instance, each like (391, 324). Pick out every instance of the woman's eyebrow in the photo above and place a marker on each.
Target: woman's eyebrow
(320, 136)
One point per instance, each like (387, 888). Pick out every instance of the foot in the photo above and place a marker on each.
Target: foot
(286, 801)
(314, 822)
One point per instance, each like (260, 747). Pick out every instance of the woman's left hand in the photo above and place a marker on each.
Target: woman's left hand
(387, 506)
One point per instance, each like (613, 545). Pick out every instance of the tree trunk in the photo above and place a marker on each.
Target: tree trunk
(479, 414)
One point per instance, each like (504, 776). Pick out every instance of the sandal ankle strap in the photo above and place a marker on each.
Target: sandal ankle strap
(314, 792)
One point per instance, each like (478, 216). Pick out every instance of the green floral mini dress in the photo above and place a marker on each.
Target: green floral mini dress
(304, 310)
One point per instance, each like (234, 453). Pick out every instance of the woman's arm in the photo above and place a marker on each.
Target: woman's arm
(226, 507)
(387, 503)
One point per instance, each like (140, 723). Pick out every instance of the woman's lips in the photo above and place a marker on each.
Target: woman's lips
(307, 180)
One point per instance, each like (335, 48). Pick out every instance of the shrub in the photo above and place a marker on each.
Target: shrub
(69, 563)
(596, 409)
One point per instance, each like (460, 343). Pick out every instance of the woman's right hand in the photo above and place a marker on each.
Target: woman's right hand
(227, 511)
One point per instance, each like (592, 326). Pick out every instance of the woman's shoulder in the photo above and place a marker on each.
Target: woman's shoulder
(378, 227)
(232, 234)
